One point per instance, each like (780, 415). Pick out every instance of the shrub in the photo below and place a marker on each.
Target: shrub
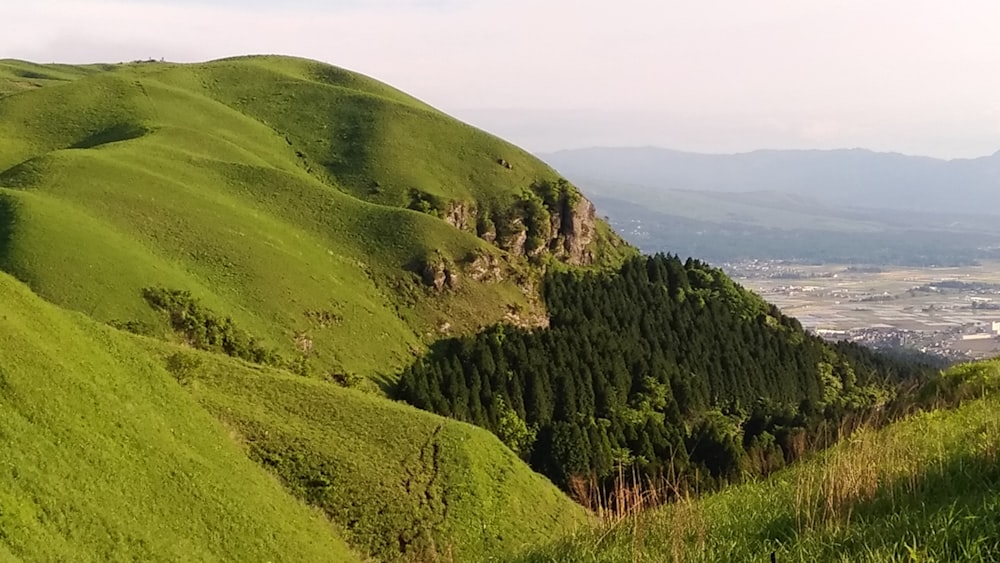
(135, 327)
(203, 330)
(183, 367)
(346, 379)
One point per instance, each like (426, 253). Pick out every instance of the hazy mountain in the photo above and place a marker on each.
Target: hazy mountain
(854, 177)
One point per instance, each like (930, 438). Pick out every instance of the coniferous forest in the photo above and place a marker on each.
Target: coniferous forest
(661, 367)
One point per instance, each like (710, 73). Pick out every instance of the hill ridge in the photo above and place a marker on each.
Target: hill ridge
(201, 131)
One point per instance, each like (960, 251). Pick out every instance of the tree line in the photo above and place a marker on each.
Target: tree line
(660, 366)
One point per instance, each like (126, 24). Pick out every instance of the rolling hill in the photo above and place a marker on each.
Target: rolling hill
(105, 457)
(120, 446)
(327, 214)
(308, 229)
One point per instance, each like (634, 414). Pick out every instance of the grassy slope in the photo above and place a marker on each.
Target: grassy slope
(105, 458)
(17, 76)
(924, 489)
(207, 178)
(394, 477)
(250, 183)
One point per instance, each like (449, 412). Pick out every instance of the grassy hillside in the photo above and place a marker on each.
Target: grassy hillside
(275, 190)
(396, 479)
(105, 457)
(923, 489)
(273, 209)
(109, 455)
(325, 226)
(16, 76)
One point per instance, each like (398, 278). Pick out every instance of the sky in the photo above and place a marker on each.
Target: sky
(910, 76)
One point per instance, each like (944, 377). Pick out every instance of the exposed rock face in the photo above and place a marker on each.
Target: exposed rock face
(485, 268)
(512, 237)
(461, 216)
(489, 234)
(567, 235)
(530, 320)
(554, 219)
(439, 275)
(433, 274)
(573, 229)
(582, 228)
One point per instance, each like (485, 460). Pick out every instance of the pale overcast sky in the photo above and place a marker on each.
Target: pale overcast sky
(912, 76)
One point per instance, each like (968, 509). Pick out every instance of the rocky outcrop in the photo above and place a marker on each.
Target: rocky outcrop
(512, 236)
(552, 218)
(485, 268)
(461, 215)
(439, 274)
(577, 232)
(529, 320)
(566, 229)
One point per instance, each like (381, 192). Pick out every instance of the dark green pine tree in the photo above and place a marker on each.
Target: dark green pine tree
(637, 367)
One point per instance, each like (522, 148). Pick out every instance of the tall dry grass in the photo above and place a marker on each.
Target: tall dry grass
(870, 465)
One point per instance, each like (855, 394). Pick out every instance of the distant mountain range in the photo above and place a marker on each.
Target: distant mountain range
(854, 177)
(836, 205)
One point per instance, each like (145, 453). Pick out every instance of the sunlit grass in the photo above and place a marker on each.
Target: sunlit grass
(272, 188)
(923, 489)
(106, 458)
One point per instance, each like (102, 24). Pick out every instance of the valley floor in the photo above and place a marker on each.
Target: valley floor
(948, 312)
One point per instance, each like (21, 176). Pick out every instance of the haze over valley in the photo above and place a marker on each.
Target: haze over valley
(837, 238)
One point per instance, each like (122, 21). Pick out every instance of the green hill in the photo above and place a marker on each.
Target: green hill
(215, 274)
(16, 76)
(291, 214)
(396, 479)
(328, 214)
(106, 456)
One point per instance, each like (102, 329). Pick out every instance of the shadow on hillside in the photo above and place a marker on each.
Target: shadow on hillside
(114, 134)
(7, 210)
(351, 145)
(385, 384)
(952, 510)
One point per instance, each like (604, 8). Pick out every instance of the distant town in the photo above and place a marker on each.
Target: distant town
(951, 313)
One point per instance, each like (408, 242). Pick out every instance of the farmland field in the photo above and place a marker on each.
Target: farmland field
(948, 311)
